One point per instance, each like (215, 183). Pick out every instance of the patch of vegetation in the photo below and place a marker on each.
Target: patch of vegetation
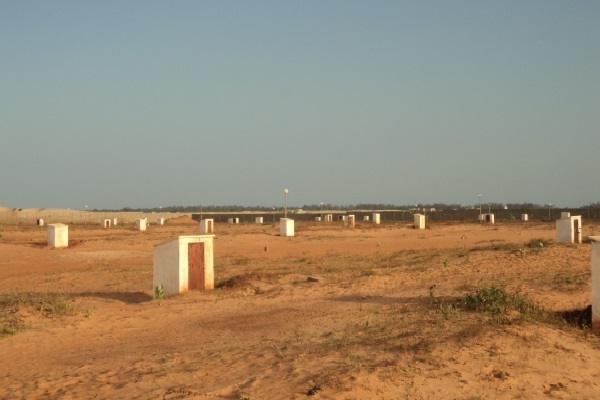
(500, 306)
(47, 304)
(538, 243)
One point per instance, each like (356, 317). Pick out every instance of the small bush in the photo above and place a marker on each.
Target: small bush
(498, 305)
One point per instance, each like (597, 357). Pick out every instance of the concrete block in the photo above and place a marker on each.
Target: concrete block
(58, 235)
(141, 224)
(419, 221)
(376, 218)
(286, 227)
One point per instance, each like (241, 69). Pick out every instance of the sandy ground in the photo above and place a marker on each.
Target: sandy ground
(378, 324)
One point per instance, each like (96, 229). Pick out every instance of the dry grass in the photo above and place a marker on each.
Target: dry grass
(44, 304)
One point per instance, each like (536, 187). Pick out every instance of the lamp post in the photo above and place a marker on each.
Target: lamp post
(549, 205)
(285, 193)
(321, 211)
(480, 206)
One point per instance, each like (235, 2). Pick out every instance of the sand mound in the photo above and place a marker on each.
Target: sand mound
(183, 219)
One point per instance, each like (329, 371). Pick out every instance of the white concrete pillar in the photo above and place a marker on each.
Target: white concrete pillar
(318, 219)
(160, 221)
(140, 224)
(366, 218)
(376, 218)
(565, 214)
(106, 223)
(114, 222)
(419, 221)
(524, 217)
(329, 218)
(258, 220)
(286, 227)
(40, 222)
(58, 235)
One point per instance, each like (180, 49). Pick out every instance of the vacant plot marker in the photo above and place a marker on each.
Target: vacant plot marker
(58, 235)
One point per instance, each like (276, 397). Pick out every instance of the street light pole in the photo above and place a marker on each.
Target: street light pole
(285, 193)
(479, 207)
(321, 211)
(549, 205)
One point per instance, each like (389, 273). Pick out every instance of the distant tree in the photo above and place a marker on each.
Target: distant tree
(593, 205)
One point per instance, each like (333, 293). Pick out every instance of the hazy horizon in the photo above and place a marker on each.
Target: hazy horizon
(143, 104)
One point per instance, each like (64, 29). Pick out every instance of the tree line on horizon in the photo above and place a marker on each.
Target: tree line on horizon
(337, 207)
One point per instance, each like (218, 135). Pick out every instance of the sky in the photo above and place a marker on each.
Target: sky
(116, 104)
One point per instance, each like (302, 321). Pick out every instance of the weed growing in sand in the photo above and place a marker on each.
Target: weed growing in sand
(447, 310)
(159, 293)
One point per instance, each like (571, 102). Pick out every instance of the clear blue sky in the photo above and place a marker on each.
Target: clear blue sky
(154, 103)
